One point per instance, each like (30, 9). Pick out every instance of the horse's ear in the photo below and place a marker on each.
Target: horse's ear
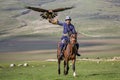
(76, 33)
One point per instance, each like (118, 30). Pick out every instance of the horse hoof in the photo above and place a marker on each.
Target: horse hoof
(59, 73)
(74, 74)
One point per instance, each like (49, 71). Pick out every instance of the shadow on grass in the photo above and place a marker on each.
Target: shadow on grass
(58, 79)
(67, 77)
(96, 74)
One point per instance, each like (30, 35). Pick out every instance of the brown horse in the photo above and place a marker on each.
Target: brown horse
(69, 54)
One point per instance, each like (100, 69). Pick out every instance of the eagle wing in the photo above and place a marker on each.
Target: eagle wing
(37, 9)
(62, 9)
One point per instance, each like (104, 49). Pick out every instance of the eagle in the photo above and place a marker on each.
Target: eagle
(48, 14)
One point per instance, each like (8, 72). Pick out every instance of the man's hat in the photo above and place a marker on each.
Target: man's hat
(67, 18)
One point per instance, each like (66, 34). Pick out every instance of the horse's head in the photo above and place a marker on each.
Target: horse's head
(73, 38)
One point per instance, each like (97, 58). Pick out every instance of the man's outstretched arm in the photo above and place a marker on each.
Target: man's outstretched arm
(55, 21)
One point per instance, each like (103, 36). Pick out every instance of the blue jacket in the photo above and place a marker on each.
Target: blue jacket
(67, 28)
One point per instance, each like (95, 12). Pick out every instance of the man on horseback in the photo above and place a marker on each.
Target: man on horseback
(68, 29)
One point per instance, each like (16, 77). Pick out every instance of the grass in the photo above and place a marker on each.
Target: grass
(38, 70)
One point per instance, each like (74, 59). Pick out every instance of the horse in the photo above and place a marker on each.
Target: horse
(69, 54)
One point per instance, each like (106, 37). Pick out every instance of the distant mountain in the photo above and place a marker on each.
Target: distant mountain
(94, 18)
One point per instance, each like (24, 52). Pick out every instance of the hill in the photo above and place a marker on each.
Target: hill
(96, 18)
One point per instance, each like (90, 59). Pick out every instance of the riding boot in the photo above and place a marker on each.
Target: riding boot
(77, 45)
(61, 51)
(78, 54)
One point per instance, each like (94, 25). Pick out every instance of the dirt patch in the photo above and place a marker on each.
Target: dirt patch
(107, 17)
(114, 2)
(96, 60)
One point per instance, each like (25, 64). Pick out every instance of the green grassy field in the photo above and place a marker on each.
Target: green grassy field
(38, 70)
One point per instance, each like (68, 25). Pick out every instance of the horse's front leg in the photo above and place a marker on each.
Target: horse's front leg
(66, 67)
(73, 67)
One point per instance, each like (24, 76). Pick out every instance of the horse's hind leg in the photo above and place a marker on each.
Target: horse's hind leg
(73, 67)
(59, 66)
